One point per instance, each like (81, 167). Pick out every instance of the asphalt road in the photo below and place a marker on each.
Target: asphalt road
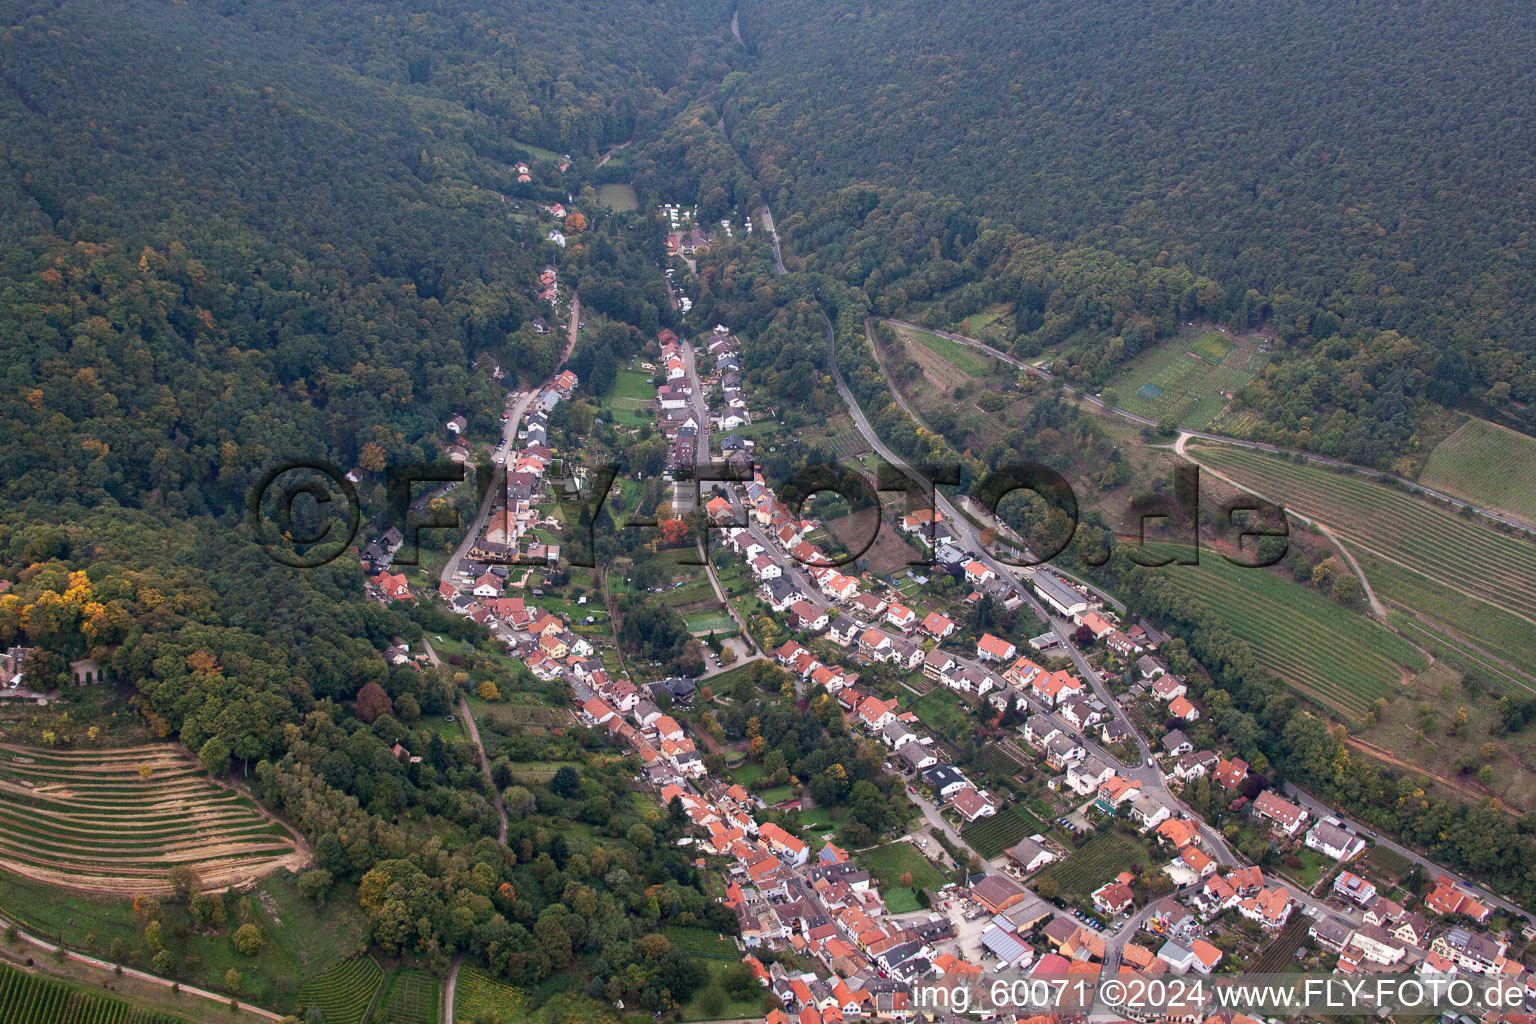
(508, 437)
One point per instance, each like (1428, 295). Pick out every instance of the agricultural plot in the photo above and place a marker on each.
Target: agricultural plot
(1477, 581)
(1282, 952)
(1096, 863)
(991, 836)
(1487, 464)
(344, 992)
(476, 994)
(1337, 657)
(412, 999)
(116, 821)
(1189, 382)
(970, 361)
(30, 999)
(701, 942)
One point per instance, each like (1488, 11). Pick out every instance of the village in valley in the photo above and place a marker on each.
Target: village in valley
(1095, 830)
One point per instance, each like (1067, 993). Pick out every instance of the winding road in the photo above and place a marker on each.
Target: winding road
(1184, 435)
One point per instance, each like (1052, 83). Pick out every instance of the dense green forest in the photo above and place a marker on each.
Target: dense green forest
(1330, 156)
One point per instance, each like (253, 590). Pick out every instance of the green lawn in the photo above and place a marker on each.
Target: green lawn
(619, 198)
(902, 900)
(939, 712)
(776, 795)
(711, 1002)
(887, 864)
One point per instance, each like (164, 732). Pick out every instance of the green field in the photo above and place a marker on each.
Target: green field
(475, 994)
(631, 397)
(538, 152)
(1096, 863)
(991, 836)
(970, 361)
(1336, 656)
(1457, 571)
(412, 999)
(345, 991)
(1487, 464)
(704, 622)
(886, 864)
(711, 1002)
(701, 942)
(1213, 346)
(618, 198)
(30, 999)
(937, 710)
(1187, 388)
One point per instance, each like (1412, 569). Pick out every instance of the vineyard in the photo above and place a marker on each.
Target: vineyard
(344, 992)
(29, 999)
(117, 820)
(1487, 464)
(1096, 863)
(701, 942)
(476, 995)
(412, 999)
(991, 836)
(1454, 570)
(1340, 658)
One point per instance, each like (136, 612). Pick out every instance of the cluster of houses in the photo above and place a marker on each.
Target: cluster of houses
(1390, 937)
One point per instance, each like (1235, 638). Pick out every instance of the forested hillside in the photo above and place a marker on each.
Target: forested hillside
(1335, 162)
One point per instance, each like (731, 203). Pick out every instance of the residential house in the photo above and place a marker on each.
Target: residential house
(1030, 855)
(1333, 840)
(1287, 817)
(991, 648)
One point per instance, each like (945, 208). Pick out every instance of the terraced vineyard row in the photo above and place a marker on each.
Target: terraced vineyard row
(118, 820)
(1335, 656)
(344, 992)
(30, 999)
(1460, 554)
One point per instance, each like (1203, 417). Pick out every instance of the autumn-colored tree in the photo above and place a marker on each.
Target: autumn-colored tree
(372, 457)
(373, 703)
(673, 532)
(488, 691)
(575, 223)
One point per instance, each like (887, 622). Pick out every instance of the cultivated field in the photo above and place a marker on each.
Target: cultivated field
(412, 999)
(1487, 464)
(30, 999)
(1096, 863)
(946, 364)
(701, 942)
(344, 992)
(1456, 571)
(92, 820)
(1336, 656)
(476, 994)
(991, 836)
(1183, 379)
